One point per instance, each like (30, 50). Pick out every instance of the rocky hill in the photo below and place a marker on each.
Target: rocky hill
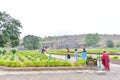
(73, 41)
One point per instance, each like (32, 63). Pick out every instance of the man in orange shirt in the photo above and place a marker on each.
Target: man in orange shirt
(68, 53)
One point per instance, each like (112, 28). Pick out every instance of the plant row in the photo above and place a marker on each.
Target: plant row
(34, 59)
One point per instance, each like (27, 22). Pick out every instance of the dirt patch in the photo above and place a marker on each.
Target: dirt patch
(115, 61)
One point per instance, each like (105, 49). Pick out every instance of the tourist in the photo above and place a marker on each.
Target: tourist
(83, 54)
(44, 50)
(68, 53)
(105, 60)
(76, 54)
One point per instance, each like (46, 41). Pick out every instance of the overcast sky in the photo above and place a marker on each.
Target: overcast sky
(64, 17)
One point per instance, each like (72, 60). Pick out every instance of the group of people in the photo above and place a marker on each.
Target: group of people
(76, 53)
(104, 57)
(43, 50)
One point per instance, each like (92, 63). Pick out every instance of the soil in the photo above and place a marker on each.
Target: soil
(115, 61)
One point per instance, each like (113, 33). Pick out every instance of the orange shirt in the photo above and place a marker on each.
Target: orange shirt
(68, 51)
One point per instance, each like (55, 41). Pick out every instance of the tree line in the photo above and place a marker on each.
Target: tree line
(10, 33)
(9, 30)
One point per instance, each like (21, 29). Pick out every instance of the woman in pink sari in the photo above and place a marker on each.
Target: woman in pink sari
(105, 60)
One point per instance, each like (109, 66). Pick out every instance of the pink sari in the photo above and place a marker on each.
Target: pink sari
(105, 60)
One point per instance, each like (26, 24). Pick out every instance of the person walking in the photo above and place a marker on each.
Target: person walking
(76, 54)
(44, 50)
(68, 53)
(83, 54)
(105, 60)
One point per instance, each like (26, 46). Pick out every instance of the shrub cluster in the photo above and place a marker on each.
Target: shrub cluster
(33, 59)
(42, 63)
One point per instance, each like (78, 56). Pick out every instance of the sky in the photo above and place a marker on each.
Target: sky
(64, 17)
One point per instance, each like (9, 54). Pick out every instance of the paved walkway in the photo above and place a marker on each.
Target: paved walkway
(63, 75)
(60, 57)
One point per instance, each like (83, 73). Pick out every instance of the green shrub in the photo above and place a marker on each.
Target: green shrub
(12, 64)
(89, 57)
(55, 62)
(115, 57)
(4, 50)
(46, 63)
(36, 63)
(27, 63)
(2, 62)
(12, 57)
(14, 50)
(80, 62)
(1, 51)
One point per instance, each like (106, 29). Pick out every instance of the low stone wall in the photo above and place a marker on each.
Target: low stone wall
(3, 68)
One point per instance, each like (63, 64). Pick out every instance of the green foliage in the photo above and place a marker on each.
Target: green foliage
(12, 57)
(92, 39)
(31, 58)
(47, 63)
(13, 50)
(12, 63)
(31, 42)
(9, 30)
(1, 51)
(2, 62)
(4, 50)
(39, 60)
(42, 57)
(20, 57)
(27, 63)
(79, 62)
(89, 57)
(118, 44)
(115, 57)
(110, 44)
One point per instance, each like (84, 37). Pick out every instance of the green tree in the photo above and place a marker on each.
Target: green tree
(9, 30)
(110, 44)
(31, 42)
(118, 44)
(92, 39)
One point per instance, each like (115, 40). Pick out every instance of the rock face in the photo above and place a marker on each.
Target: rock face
(65, 41)
(77, 41)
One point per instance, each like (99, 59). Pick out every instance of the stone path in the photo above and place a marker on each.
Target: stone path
(114, 74)
(60, 57)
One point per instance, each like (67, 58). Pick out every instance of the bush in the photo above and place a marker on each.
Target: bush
(12, 57)
(1, 51)
(110, 44)
(4, 51)
(36, 63)
(89, 57)
(27, 63)
(12, 64)
(80, 62)
(2, 62)
(14, 50)
(115, 57)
